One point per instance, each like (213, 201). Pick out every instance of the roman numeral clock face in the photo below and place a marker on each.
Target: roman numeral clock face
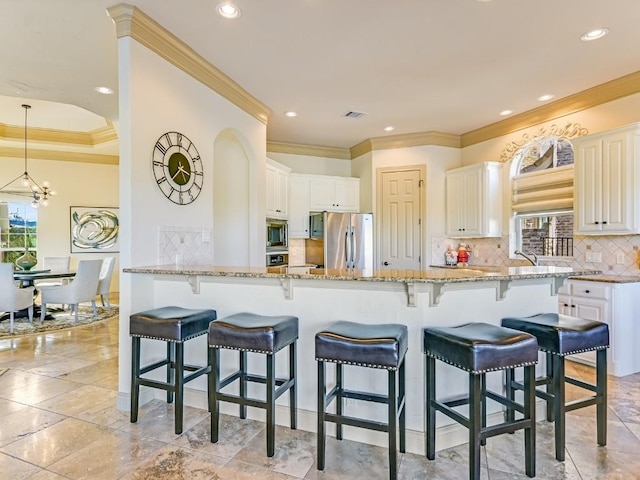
(177, 168)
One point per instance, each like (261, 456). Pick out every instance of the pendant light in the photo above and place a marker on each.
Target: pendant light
(40, 194)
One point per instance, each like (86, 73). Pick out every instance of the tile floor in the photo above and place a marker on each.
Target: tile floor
(58, 421)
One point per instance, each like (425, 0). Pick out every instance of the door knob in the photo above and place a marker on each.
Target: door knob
(386, 264)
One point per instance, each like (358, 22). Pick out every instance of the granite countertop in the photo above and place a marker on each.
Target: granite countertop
(607, 278)
(431, 275)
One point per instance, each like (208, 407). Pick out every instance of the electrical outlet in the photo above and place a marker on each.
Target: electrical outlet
(593, 257)
(620, 258)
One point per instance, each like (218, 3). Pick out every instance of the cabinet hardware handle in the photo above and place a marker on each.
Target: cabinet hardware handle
(587, 291)
(573, 306)
(566, 304)
(597, 223)
(604, 222)
(385, 264)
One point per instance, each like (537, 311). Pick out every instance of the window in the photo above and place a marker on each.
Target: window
(18, 229)
(542, 197)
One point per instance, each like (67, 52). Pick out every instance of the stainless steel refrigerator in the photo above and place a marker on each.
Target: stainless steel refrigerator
(347, 237)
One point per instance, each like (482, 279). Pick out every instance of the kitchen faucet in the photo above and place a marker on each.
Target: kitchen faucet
(534, 260)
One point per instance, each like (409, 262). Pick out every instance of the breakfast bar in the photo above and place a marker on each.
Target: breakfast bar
(318, 297)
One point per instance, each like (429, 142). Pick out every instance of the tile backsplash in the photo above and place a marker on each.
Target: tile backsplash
(184, 245)
(495, 251)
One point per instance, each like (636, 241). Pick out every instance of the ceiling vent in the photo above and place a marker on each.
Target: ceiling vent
(352, 114)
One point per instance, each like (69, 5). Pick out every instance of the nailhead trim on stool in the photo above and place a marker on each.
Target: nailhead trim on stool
(478, 348)
(266, 335)
(558, 336)
(349, 343)
(178, 325)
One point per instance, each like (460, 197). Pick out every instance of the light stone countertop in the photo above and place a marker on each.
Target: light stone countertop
(607, 278)
(432, 275)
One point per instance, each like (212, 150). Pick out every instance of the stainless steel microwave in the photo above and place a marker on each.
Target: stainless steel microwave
(276, 233)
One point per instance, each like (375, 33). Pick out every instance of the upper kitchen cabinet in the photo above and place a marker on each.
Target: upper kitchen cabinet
(607, 182)
(277, 177)
(473, 201)
(298, 206)
(334, 194)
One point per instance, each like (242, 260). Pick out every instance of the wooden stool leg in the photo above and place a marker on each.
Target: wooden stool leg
(135, 374)
(339, 406)
(243, 382)
(214, 387)
(549, 368)
(510, 393)
(179, 385)
(430, 415)
(322, 394)
(293, 391)
(171, 365)
(271, 404)
(402, 394)
(559, 405)
(475, 425)
(530, 413)
(483, 400)
(392, 399)
(601, 394)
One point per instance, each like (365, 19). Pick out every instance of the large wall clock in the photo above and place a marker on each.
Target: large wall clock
(177, 168)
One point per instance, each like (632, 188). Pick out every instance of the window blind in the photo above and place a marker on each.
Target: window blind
(550, 189)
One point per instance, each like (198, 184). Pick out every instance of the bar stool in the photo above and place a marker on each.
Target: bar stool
(372, 346)
(173, 325)
(479, 348)
(559, 336)
(248, 332)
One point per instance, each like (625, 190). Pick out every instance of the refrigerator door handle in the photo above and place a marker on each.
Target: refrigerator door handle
(354, 251)
(347, 249)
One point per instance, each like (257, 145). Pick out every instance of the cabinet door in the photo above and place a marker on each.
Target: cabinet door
(272, 191)
(454, 204)
(588, 202)
(589, 309)
(282, 186)
(616, 189)
(473, 202)
(298, 207)
(322, 192)
(347, 195)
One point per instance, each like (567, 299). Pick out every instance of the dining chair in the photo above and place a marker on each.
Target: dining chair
(54, 264)
(13, 298)
(81, 289)
(104, 283)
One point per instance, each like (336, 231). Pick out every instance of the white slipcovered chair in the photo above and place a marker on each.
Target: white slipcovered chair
(54, 264)
(106, 272)
(13, 298)
(81, 289)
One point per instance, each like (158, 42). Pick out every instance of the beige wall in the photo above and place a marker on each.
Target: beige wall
(313, 165)
(76, 184)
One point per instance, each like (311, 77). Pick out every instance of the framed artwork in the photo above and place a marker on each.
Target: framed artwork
(94, 229)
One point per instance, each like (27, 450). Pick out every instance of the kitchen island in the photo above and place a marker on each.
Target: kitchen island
(433, 297)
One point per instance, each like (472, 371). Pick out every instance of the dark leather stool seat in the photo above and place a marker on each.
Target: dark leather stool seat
(478, 348)
(173, 325)
(248, 332)
(559, 336)
(372, 346)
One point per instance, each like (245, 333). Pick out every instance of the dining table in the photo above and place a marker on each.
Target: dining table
(27, 278)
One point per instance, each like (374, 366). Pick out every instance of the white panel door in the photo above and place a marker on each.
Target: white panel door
(400, 220)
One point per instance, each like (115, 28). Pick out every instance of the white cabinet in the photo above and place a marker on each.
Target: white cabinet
(277, 177)
(607, 182)
(334, 194)
(473, 201)
(298, 206)
(615, 304)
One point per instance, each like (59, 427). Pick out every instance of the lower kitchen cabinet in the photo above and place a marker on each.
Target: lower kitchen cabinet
(617, 305)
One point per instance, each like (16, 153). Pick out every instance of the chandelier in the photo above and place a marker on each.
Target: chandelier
(40, 194)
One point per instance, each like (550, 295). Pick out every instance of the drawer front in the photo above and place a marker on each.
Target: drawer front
(590, 290)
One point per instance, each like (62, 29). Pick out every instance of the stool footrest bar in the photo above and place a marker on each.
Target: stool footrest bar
(153, 366)
(451, 413)
(501, 428)
(580, 383)
(356, 422)
(505, 401)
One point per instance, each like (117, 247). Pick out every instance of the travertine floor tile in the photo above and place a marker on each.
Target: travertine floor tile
(24, 423)
(15, 469)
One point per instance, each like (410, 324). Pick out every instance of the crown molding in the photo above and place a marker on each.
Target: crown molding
(311, 150)
(592, 97)
(61, 156)
(52, 135)
(132, 22)
(417, 139)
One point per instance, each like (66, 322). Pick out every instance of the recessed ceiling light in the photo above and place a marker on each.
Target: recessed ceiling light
(545, 97)
(506, 112)
(594, 34)
(228, 10)
(291, 114)
(389, 129)
(104, 90)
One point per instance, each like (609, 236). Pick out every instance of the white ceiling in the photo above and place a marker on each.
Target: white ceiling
(419, 65)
